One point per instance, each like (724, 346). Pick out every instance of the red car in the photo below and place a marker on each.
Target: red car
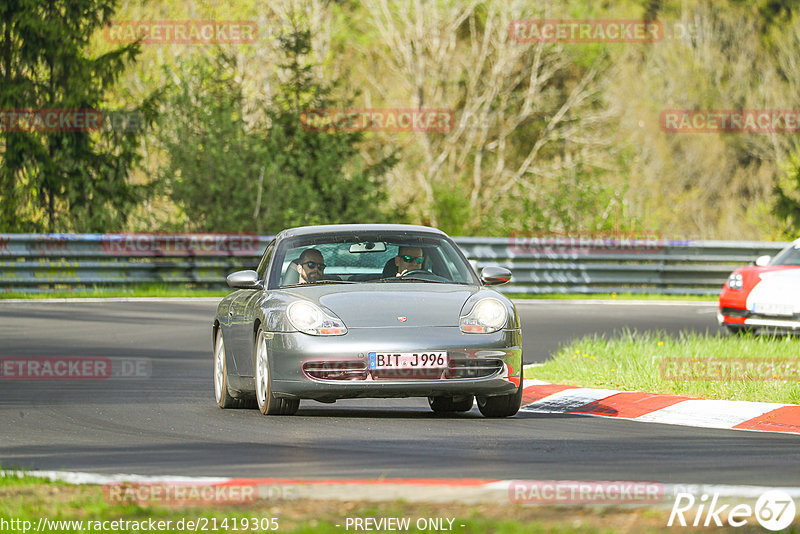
(765, 295)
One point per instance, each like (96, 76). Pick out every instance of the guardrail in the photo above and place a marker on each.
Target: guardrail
(556, 264)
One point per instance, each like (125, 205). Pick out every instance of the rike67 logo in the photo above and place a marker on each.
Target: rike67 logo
(774, 510)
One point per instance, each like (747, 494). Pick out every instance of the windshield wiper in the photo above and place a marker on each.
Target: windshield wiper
(412, 279)
(319, 283)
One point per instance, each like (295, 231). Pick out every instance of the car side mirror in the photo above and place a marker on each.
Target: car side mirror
(245, 280)
(763, 261)
(494, 276)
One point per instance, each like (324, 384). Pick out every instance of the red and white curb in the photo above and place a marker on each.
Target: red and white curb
(464, 491)
(543, 397)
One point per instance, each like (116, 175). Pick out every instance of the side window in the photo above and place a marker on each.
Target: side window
(265, 259)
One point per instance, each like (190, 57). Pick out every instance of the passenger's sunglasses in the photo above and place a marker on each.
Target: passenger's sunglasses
(314, 265)
(413, 259)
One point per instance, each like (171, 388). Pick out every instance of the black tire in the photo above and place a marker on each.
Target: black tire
(221, 393)
(501, 405)
(461, 403)
(267, 403)
(737, 330)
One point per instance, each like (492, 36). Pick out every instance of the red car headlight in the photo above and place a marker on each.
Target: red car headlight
(735, 281)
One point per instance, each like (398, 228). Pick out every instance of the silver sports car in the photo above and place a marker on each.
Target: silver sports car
(346, 311)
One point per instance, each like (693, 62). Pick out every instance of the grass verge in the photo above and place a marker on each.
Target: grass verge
(30, 499)
(751, 368)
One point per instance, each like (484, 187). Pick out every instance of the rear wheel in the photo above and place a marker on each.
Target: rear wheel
(501, 405)
(267, 403)
(735, 330)
(462, 403)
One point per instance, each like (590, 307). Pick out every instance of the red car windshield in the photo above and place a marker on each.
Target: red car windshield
(788, 256)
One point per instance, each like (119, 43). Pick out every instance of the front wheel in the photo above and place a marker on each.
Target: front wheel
(735, 330)
(267, 403)
(223, 397)
(501, 405)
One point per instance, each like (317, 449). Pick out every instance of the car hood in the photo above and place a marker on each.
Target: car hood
(401, 304)
(777, 287)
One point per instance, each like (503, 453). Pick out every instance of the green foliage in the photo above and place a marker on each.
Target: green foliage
(61, 180)
(770, 12)
(452, 210)
(787, 197)
(580, 199)
(213, 162)
(230, 175)
(236, 157)
(324, 176)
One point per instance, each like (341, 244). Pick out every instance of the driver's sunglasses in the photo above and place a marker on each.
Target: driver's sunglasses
(314, 265)
(413, 259)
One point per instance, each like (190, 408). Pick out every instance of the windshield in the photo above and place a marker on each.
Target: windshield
(788, 256)
(369, 257)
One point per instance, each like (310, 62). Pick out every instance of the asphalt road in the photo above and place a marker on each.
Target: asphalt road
(168, 423)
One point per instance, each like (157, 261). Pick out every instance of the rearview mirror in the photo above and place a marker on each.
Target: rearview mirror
(763, 261)
(245, 280)
(494, 276)
(368, 246)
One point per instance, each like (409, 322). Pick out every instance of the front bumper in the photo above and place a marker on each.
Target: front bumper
(493, 363)
(745, 319)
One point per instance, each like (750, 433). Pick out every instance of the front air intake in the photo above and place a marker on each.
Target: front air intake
(336, 370)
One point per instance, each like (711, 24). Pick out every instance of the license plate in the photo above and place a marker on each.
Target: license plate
(407, 360)
(767, 308)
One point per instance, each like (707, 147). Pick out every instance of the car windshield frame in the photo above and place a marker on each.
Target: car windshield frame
(286, 251)
(790, 252)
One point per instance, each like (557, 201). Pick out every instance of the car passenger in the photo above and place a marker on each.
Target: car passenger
(408, 259)
(311, 266)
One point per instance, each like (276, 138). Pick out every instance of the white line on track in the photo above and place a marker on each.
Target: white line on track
(532, 302)
(110, 299)
(72, 477)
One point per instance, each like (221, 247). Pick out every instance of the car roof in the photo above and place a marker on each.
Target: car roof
(344, 228)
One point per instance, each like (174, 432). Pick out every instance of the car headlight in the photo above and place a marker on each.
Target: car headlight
(310, 319)
(735, 281)
(487, 316)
